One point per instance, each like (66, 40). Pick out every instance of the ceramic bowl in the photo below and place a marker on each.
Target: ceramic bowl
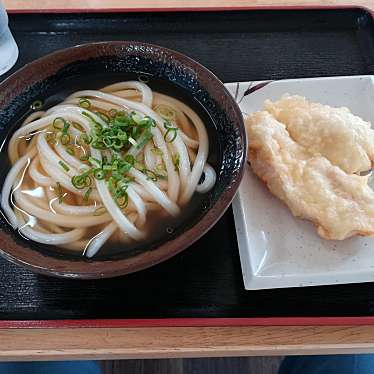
(53, 77)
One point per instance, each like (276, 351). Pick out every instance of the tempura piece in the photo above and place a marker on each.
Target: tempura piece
(335, 133)
(340, 204)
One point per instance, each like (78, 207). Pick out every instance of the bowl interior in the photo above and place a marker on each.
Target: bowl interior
(53, 77)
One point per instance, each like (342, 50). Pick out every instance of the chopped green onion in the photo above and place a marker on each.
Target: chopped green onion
(162, 177)
(98, 127)
(124, 167)
(100, 211)
(103, 116)
(108, 142)
(122, 184)
(84, 158)
(59, 192)
(81, 181)
(70, 150)
(99, 174)
(133, 141)
(170, 130)
(122, 136)
(144, 139)
(136, 118)
(166, 112)
(115, 165)
(87, 194)
(147, 122)
(64, 166)
(116, 176)
(161, 171)
(37, 104)
(135, 131)
(150, 175)
(94, 162)
(98, 145)
(121, 119)
(111, 185)
(143, 78)
(124, 130)
(168, 125)
(176, 161)
(66, 128)
(84, 138)
(84, 103)
(59, 123)
(173, 134)
(65, 139)
(130, 159)
(128, 179)
(79, 127)
(122, 201)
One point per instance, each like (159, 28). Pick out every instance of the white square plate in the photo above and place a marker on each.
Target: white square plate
(276, 249)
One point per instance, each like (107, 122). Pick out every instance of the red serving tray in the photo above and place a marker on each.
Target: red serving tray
(187, 322)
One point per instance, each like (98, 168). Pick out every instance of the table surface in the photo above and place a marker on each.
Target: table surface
(157, 342)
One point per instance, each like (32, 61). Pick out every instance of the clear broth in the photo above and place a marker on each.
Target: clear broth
(160, 227)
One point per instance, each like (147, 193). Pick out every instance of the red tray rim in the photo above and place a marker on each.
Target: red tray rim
(188, 322)
(191, 321)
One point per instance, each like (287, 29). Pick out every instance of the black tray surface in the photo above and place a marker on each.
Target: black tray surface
(206, 279)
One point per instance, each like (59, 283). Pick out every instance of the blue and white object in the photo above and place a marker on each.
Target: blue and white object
(8, 46)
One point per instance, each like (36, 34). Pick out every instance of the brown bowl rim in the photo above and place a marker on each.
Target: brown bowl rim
(58, 267)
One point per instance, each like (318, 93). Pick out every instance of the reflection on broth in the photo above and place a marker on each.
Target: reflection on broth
(106, 166)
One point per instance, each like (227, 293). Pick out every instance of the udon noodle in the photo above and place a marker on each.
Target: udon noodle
(94, 167)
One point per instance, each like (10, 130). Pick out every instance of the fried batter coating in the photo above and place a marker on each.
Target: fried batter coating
(340, 204)
(335, 133)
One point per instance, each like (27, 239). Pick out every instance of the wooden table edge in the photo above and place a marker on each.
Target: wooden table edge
(139, 5)
(173, 342)
(167, 342)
